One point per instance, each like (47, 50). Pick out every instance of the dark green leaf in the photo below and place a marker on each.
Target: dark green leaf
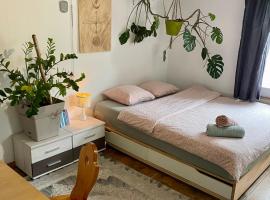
(124, 37)
(81, 78)
(134, 28)
(204, 53)
(7, 64)
(140, 32)
(164, 55)
(13, 102)
(8, 90)
(2, 93)
(215, 66)
(212, 16)
(28, 59)
(217, 35)
(62, 89)
(31, 75)
(61, 57)
(189, 40)
(155, 26)
(70, 56)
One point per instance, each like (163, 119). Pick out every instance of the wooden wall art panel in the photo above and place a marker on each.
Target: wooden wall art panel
(94, 25)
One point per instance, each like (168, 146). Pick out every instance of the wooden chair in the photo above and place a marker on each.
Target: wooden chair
(86, 176)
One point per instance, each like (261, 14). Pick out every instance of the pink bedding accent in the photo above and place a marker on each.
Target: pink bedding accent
(145, 116)
(159, 88)
(185, 128)
(128, 94)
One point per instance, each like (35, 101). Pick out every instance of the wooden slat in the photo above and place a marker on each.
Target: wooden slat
(246, 181)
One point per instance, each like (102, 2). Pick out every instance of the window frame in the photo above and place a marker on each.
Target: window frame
(265, 92)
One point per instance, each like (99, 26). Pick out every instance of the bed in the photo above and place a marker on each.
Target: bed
(167, 156)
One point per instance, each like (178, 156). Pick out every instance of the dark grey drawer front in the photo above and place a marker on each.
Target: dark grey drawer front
(51, 163)
(100, 143)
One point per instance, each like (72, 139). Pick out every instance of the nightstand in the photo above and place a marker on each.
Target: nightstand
(89, 130)
(39, 158)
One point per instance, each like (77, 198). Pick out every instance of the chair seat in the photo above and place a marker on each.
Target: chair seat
(62, 197)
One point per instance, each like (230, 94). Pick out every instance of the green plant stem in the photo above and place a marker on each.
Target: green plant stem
(147, 2)
(132, 13)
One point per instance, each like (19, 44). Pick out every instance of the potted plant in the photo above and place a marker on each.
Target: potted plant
(196, 30)
(31, 89)
(173, 26)
(142, 26)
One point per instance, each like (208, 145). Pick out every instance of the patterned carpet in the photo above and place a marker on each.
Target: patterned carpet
(116, 181)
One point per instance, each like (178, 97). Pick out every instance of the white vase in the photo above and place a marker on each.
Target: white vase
(45, 124)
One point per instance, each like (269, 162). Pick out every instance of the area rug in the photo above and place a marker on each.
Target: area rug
(116, 181)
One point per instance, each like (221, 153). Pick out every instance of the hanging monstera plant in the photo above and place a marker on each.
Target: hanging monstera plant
(194, 29)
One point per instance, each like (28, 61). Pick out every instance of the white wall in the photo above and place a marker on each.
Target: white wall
(186, 68)
(123, 64)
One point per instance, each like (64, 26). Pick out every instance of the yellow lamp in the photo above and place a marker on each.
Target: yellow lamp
(83, 100)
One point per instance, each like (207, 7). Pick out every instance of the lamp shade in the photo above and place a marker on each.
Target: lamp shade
(83, 99)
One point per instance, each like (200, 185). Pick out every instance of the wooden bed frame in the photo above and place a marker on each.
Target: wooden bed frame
(179, 169)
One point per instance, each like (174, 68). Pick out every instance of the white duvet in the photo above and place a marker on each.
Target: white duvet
(181, 120)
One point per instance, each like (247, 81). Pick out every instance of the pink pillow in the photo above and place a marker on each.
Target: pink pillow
(158, 88)
(128, 94)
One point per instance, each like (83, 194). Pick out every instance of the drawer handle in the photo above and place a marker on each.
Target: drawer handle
(52, 150)
(54, 163)
(90, 136)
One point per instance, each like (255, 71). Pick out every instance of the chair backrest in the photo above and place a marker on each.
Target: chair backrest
(87, 172)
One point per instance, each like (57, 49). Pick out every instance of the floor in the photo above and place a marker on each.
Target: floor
(181, 187)
(259, 191)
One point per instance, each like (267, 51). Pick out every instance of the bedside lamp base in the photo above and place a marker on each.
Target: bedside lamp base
(83, 115)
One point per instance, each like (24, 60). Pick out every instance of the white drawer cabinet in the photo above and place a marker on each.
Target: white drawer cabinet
(90, 130)
(88, 136)
(51, 149)
(39, 158)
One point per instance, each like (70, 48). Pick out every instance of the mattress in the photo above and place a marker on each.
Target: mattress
(108, 111)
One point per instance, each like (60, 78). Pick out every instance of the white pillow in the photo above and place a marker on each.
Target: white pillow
(128, 94)
(158, 88)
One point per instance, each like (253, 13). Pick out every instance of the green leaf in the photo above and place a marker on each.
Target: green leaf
(204, 53)
(31, 75)
(7, 64)
(70, 56)
(215, 66)
(61, 57)
(217, 35)
(28, 59)
(62, 89)
(13, 102)
(189, 40)
(124, 37)
(155, 26)
(164, 55)
(212, 16)
(140, 32)
(2, 93)
(8, 90)
(81, 78)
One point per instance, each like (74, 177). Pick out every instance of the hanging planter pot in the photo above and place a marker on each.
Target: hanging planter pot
(173, 26)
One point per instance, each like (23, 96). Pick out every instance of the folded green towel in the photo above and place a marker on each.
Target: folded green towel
(230, 131)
